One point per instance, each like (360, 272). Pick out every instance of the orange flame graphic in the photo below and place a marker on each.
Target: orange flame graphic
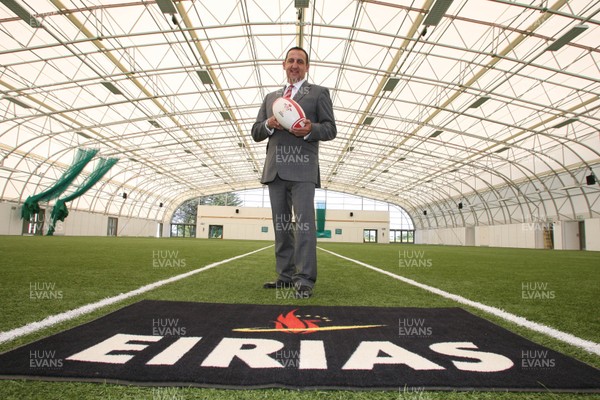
(292, 324)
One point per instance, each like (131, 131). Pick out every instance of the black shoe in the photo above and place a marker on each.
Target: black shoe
(303, 292)
(278, 284)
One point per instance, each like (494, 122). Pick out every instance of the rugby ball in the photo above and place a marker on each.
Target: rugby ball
(288, 113)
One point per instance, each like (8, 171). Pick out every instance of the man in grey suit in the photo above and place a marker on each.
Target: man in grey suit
(292, 173)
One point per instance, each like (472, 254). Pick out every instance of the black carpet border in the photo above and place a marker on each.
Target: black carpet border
(446, 389)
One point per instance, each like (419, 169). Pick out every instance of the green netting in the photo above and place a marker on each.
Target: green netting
(60, 211)
(321, 232)
(320, 216)
(82, 158)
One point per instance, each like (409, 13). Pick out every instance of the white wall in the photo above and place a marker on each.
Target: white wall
(566, 235)
(592, 234)
(78, 223)
(446, 236)
(10, 219)
(248, 222)
(470, 236)
(353, 226)
(513, 235)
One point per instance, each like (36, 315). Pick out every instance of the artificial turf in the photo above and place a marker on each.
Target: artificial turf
(85, 270)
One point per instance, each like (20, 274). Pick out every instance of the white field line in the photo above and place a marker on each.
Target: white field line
(88, 308)
(587, 345)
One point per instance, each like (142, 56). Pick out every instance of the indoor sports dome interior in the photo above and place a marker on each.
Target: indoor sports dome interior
(479, 118)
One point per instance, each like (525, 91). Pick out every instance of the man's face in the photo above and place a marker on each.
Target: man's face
(295, 66)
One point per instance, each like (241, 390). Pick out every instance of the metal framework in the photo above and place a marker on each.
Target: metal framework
(493, 104)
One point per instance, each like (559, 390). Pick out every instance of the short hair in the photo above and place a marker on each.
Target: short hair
(297, 48)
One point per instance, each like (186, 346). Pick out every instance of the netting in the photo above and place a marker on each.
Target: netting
(321, 232)
(60, 211)
(31, 205)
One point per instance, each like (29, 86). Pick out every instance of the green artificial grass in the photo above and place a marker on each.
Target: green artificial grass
(556, 288)
(89, 269)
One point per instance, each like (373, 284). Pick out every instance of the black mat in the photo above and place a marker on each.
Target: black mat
(256, 346)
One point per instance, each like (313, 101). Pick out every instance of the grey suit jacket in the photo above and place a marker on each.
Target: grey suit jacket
(294, 158)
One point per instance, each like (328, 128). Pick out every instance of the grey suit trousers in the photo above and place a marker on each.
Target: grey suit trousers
(295, 238)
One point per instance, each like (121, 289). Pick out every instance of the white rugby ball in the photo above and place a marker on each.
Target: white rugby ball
(288, 113)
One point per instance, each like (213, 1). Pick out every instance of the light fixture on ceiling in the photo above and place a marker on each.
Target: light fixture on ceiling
(154, 123)
(567, 37)
(17, 102)
(591, 179)
(204, 77)
(460, 205)
(301, 3)
(166, 6)
(84, 135)
(226, 116)
(501, 150)
(477, 103)
(436, 13)
(565, 123)
(435, 134)
(368, 120)
(9, 169)
(110, 86)
(391, 84)
(22, 13)
(570, 187)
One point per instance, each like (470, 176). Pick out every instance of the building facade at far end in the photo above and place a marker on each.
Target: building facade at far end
(256, 223)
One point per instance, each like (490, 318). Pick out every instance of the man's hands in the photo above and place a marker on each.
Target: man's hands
(272, 123)
(300, 132)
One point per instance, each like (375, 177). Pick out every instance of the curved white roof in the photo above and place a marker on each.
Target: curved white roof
(473, 102)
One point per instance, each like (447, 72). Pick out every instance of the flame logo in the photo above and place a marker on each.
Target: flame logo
(292, 324)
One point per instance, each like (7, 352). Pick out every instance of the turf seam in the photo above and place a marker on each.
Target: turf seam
(88, 308)
(565, 337)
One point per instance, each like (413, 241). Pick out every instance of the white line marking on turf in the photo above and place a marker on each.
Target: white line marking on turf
(88, 308)
(587, 345)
